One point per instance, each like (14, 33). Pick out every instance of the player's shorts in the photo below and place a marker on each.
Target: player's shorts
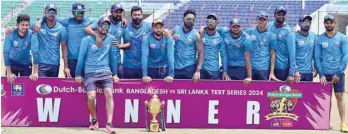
(236, 72)
(120, 70)
(132, 73)
(103, 78)
(20, 69)
(206, 74)
(157, 73)
(281, 74)
(72, 66)
(48, 70)
(186, 72)
(260, 74)
(306, 76)
(338, 87)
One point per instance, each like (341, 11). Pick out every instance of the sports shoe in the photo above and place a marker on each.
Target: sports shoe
(344, 128)
(110, 129)
(94, 125)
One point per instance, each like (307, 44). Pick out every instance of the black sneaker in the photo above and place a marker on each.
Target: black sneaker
(94, 125)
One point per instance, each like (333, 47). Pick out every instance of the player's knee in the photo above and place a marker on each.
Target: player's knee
(91, 96)
(108, 93)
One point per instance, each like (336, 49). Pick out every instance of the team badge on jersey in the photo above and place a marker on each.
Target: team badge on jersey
(15, 43)
(94, 47)
(301, 42)
(325, 44)
(153, 46)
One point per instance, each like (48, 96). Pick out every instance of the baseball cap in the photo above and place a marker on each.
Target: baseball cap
(302, 18)
(50, 7)
(280, 9)
(117, 6)
(329, 17)
(212, 15)
(102, 20)
(262, 14)
(157, 21)
(78, 6)
(234, 21)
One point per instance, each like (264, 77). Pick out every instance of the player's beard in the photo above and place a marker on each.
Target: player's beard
(211, 27)
(159, 33)
(103, 32)
(329, 28)
(23, 31)
(280, 20)
(116, 18)
(137, 21)
(305, 28)
(188, 25)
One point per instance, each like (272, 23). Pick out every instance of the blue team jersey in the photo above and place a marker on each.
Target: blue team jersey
(18, 49)
(304, 52)
(285, 53)
(331, 54)
(185, 47)
(132, 56)
(157, 53)
(75, 33)
(213, 46)
(262, 43)
(47, 41)
(94, 59)
(235, 48)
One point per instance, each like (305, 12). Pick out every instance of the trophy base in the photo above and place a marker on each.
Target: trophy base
(154, 127)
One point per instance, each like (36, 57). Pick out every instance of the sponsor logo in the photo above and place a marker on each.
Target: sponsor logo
(44, 89)
(17, 90)
(287, 123)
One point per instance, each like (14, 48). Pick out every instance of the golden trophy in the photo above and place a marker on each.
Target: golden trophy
(154, 107)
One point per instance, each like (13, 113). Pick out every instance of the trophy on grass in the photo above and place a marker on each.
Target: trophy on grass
(154, 107)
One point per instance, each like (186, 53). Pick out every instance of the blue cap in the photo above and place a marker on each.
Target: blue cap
(116, 6)
(212, 15)
(262, 14)
(78, 6)
(104, 19)
(329, 17)
(50, 7)
(302, 18)
(280, 9)
(234, 21)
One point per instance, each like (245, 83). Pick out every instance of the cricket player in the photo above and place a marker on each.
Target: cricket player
(213, 46)
(17, 47)
(117, 30)
(100, 67)
(187, 43)
(157, 54)
(331, 54)
(263, 48)
(47, 41)
(285, 65)
(238, 47)
(133, 35)
(304, 42)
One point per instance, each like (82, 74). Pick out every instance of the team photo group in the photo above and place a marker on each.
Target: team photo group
(101, 51)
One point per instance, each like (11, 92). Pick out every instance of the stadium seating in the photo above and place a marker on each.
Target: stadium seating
(7, 7)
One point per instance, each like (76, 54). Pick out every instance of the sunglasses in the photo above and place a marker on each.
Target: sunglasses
(190, 19)
(107, 26)
(53, 12)
(79, 12)
(212, 21)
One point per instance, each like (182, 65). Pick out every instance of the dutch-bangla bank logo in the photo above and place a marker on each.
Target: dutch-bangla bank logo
(44, 89)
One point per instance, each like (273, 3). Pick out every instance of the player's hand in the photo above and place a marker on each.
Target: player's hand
(166, 33)
(78, 79)
(196, 76)
(99, 40)
(247, 81)
(273, 77)
(37, 27)
(11, 77)
(67, 72)
(116, 79)
(116, 43)
(323, 80)
(176, 36)
(225, 76)
(34, 76)
(315, 73)
(169, 79)
(335, 79)
(9, 30)
(201, 30)
(297, 77)
(290, 79)
(147, 79)
(124, 22)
